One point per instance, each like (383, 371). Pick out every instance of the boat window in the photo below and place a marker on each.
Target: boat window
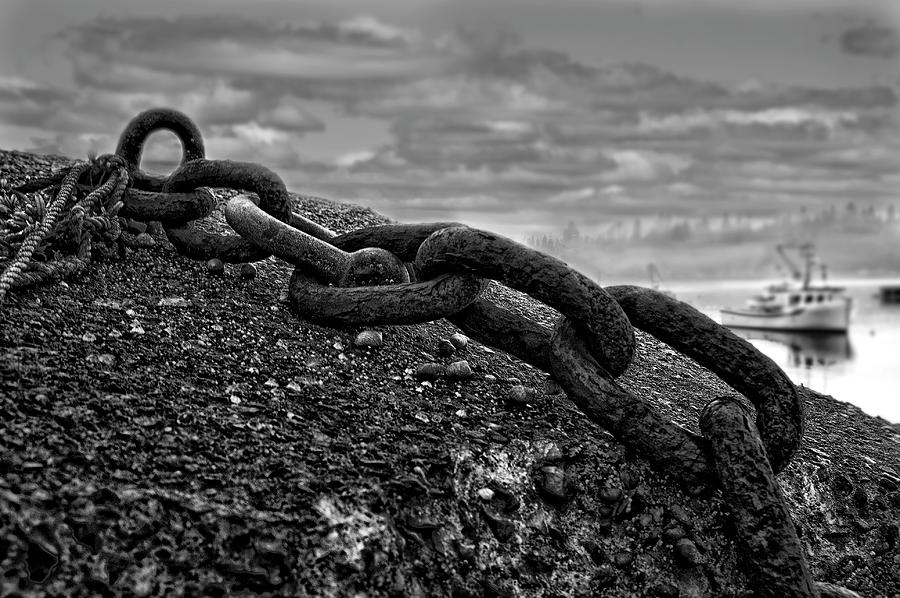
(820, 298)
(808, 299)
(795, 299)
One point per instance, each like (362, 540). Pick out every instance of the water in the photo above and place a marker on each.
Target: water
(860, 368)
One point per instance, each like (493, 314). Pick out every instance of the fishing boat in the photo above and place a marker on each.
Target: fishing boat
(798, 304)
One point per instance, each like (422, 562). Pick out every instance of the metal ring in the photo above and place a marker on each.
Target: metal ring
(131, 143)
(762, 520)
(318, 258)
(169, 208)
(632, 420)
(201, 245)
(462, 249)
(403, 240)
(742, 366)
(406, 303)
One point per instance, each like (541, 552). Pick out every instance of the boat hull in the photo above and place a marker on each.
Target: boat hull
(825, 318)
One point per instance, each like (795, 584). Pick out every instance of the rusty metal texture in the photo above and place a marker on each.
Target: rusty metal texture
(737, 362)
(403, 240)
(198, 244)
(310, 227)
(633, 421)
(507, 331)
(169, 208)
(762, 520)
(407, 303)
(313, 256)
(547, 279)
(131, 143)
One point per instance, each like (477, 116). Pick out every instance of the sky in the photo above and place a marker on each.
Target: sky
(513, 115)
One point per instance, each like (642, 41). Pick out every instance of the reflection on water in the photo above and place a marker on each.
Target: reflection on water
(862, 367)
(806, 349)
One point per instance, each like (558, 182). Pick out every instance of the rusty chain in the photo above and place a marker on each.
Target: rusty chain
(415, 273)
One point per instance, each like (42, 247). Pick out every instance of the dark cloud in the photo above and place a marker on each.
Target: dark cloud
(478, 116)
(871, 40)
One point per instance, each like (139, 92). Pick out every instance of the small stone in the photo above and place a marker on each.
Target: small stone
(505, 500)
(679, 514)
(553, 482)
(429, 371)
(490, 377)
(686, 553)
(552, 387)
(215, 266)
(665, 589)
(89, 337)
(459, 341)
(673, 534)
(629, 479)
(248, 271)
(445, 348)
(596, 552)
(144, 240)
(610, 495)
(553, 454)
(369, 338)
(459, 369)
(107, 359)
(519, 395)
(622, 559)
(174, 301)
(485, 493)
(503, 529)
(136, 226)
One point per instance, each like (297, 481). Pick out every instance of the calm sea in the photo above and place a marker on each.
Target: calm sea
(862, 367)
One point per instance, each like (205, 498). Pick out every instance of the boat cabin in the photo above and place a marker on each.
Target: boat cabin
(781, 296)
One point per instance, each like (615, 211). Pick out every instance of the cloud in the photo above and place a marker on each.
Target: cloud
(477, 116)
(871, 40)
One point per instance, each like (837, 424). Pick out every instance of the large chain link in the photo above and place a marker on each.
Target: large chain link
(414, 273)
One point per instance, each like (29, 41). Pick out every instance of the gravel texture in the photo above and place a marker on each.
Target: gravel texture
(165, 431)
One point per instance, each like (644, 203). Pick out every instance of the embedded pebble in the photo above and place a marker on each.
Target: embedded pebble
(610, 495)
(427, 371)
(445, 348)
(459, 369)
(673, 534)
(686, 552)
(136, 226)
(369, 338)
(248, 271)
(552, 454)
(485, 493)
(503, 529)
(552, 387)
(144, 240)
(215, 266)
(622, 559)
(553, 482)
(519, 395)
(679, 514)
(459, 341)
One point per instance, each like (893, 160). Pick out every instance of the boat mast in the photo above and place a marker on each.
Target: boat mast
(807, 251)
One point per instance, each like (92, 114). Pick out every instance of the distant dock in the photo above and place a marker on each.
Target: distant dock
(889, 293)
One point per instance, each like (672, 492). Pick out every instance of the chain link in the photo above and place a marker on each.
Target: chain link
(414, 273)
